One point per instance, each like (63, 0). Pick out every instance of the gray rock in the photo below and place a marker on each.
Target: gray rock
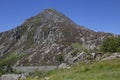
(114, 55)
(64, 65)
(10, 77)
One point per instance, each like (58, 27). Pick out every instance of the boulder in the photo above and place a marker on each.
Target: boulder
(10, 77)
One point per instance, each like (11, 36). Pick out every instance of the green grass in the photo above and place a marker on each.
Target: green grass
(77, 45)
(10, 58)
(105, 70)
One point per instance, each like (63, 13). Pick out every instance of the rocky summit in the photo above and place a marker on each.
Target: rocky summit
(48, 38)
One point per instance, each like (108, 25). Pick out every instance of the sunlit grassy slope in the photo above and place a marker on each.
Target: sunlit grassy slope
(104, 70)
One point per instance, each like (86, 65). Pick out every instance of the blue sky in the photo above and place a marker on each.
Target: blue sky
(98, 15)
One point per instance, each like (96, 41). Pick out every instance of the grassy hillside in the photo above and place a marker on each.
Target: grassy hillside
(104, 70)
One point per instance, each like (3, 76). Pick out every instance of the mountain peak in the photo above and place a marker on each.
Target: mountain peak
(50, 10)
(47, 15)
(51, 14)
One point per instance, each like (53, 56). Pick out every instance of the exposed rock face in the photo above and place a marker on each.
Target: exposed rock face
(43, 38)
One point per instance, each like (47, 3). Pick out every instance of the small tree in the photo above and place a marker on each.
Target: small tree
(111, 44)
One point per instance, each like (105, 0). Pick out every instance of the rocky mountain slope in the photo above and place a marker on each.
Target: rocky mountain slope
(48, 38)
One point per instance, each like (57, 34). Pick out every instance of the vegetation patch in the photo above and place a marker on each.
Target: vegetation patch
(8, 61)
(111, 44)
(10, 58)
(104, 70)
